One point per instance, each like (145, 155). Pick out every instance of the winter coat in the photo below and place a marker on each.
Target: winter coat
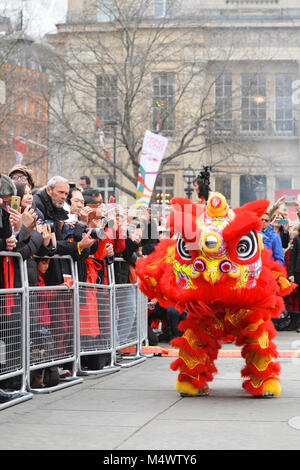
(5, 228)
(272, 241)
(130, 256)
(66, 243)
(294, 262)
(149, 236)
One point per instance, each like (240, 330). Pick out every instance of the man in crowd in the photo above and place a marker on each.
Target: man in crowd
(7, 189)
(271, 239)
(50, 201)
(21, 173)
(84, 182)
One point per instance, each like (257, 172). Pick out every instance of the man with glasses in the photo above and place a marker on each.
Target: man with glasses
(7, 189)
(271, 239)
(21, 174)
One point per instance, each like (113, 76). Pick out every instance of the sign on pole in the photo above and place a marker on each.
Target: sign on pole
(154, 147)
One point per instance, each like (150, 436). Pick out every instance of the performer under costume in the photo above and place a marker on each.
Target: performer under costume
(219, 271)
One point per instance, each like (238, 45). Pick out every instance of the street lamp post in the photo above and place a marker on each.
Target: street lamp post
(114, 125)
(189, 176)
(115, 157)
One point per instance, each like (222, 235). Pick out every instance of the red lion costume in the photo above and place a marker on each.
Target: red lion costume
(218, 270)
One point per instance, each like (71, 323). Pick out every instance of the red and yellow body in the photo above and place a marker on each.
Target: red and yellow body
(217, 270)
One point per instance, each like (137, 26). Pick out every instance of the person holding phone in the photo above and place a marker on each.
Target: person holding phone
(281, 227)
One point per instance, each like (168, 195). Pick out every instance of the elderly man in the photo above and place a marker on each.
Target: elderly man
(50, 201)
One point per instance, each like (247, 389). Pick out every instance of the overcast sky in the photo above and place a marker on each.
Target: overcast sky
(40, 16)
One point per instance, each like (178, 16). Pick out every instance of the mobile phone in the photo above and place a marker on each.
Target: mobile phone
(283, 221)
(15, 202)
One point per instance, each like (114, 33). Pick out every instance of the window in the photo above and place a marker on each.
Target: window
(283, 182)
(107, 10)
(223, 103)
(223, 186)
(253, 102)
(283, 102)
(105, 185)
(252, 188)
(107, 99)
(164, 190)
(163, 8)
(163, 103)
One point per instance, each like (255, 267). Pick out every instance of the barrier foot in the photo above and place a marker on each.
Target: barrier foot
(13, 398)
(64, 383)
(105, 371)
(133, 360)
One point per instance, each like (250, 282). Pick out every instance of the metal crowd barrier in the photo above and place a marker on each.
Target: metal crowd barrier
(96, 320)
(13, 336)
(51, 326)
(84, 327)
(128, 321)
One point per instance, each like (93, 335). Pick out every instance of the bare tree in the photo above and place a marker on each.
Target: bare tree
(134, 72)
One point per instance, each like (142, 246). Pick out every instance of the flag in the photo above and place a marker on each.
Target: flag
(154, 147)
(101, 138)
(20, 150)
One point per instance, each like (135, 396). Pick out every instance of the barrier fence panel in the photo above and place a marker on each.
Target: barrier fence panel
(95, 328)
(12, 333)
(83, 327)
(127, 320)
(143, 315)
(51, 340)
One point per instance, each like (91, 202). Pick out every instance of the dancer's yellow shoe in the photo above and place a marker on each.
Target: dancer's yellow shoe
(188, 390)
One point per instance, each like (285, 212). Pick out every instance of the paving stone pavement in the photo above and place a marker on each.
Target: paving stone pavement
(137, 408)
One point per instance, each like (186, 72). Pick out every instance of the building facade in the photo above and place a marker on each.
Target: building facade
(223, 88)
(24, 106)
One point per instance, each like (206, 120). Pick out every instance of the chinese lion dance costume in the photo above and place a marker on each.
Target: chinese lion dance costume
(217, 269)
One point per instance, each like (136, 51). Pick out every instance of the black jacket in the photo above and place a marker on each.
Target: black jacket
(129, 255)
(294, 262)
(5, 228)
(65, 246)
(149, 236)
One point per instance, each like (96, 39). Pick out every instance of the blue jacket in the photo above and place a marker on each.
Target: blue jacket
(272, 241)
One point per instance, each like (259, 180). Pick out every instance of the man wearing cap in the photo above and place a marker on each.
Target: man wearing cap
(21, 173)
(7, 189)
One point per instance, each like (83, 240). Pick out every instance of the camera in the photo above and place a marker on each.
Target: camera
(50, 224)
(107, 222)
(99, 232)
(96, 233)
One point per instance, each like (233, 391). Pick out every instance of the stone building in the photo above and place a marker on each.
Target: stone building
(24, 104)
(234, 63)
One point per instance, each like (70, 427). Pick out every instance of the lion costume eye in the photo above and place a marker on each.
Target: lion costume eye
(182, 249)
(247, 246)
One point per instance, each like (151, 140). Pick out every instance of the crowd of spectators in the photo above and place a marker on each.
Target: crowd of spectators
(282, 237)
(63, 218)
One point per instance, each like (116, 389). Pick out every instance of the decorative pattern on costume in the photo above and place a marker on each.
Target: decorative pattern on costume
(218, 270)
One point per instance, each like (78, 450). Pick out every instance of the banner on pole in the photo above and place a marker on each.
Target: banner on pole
(101, 138)
(154, 147)
(20, 150)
